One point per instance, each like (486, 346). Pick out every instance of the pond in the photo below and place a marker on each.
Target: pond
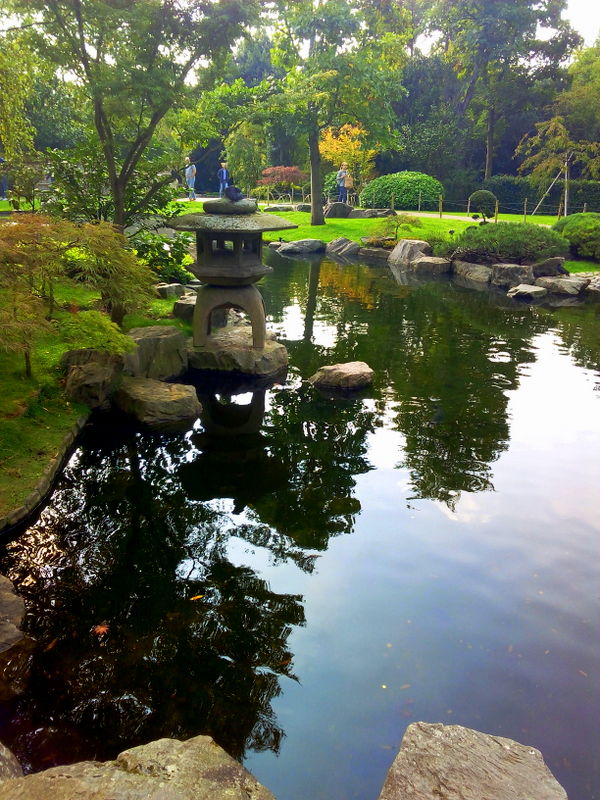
(301, 577)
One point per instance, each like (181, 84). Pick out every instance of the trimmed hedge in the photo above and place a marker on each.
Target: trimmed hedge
(582, 231)
(404, 188)
(512, 190)
(508, 242)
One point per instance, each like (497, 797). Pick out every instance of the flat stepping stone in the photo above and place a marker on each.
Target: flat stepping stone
(157, 404)
(231, 350)
(352, 375)
(526, 292)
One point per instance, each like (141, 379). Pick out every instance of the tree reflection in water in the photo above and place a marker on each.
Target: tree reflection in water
(136, 542)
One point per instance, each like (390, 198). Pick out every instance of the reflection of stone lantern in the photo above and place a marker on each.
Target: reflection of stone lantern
(229, 262)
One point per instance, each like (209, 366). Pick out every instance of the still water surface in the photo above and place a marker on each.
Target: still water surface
(301, 577)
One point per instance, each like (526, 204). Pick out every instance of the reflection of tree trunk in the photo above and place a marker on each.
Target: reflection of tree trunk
(489, 142)
(316, 179)
(311, 301)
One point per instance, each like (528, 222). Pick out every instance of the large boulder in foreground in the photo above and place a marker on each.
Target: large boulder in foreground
(92, 384)
(430, 265)
(449, 762)
(473, 273)
(342, 247)
(550, 267)
(230, 350)
(302, 246)
(505, 276)
(337, 210)
(352, 375)
(407, 250)
(157, 404)
(9, 766)
(167, 769)
(161, 353)
(568, 286)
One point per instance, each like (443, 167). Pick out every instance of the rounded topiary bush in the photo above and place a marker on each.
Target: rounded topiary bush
(404, 187)
(483, 202)
(508, 242)
(582, 231)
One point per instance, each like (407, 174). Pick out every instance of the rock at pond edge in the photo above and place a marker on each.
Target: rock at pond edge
(351, 375)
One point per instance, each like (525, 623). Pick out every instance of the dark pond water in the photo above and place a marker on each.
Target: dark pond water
(302, 577)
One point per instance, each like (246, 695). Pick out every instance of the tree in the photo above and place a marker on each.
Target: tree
(133, 58)
(283, 177)
(16, 132)
(488, 40)
(348, 144)
(246, 148)
(343, 65)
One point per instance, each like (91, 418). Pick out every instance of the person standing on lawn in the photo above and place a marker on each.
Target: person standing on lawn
(224, 178)
(190, 179)
(341, 182)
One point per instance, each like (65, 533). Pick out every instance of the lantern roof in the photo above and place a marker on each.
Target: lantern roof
(230, 223)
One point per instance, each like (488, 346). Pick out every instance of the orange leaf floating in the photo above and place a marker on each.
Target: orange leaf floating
(405, 686)
(197, 597)
(102, 629)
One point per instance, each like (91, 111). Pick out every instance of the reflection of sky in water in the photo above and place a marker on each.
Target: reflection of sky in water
(471, 616)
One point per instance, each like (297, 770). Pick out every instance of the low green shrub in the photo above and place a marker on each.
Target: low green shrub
(330, 187)
(582, 231)
(402, 190)
(93, 329)
(509, 242)
(165, 255)
(483, 202)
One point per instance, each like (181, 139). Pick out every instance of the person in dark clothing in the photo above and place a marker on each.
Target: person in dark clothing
(224, 178)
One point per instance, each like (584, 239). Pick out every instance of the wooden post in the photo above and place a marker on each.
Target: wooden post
(468, 206)
(496, 211)
(525, 210)
(560, 209)
(584, 207)
(440, 204)
(420, 196)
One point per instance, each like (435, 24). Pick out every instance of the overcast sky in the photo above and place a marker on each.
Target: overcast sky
(584, 16)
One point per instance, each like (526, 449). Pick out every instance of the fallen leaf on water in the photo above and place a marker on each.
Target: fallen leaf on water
(101, 629)
(581, 672)
(509, 648)
(197, 597)
(405, 686)
(51, 645)
(546, 652)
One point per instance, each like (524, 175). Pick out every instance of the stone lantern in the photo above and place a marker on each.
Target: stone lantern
(229, 262)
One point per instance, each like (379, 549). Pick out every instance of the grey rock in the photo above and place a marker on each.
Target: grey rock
(12, 609)
(371, 213)
(9, 766)
(306, 207)
(551, 267)
(337, 210)
(92, 384)
(275, 245)
(161, 353)
(157, 404)
(88, 356)
(449, 762)
(407, 250)
(302, 246)
(478, 273)
(184, 307)
(526, 292)
(168, 290)
(430, 265)
(231, 350)
(222, 205)
(343, 247)
(374, 254)
(592, 290)
(569, 286)
(167, 769)
(352, 375)
(505, 276)
(279, 207)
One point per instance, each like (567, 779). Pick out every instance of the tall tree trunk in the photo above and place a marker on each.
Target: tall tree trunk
(489, 142)
(316, 178)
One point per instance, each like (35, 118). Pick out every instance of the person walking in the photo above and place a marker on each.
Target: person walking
(341, 180)
(224, 178)
(190, 179)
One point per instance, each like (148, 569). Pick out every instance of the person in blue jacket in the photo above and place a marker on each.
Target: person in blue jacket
(224, 178)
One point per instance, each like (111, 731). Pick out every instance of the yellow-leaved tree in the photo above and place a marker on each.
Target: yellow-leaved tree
(347, 144)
